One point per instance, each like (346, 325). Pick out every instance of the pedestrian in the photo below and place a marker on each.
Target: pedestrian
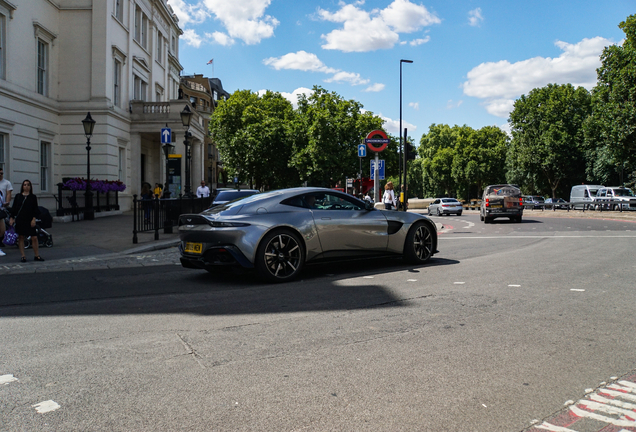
(389, 196)
(23, 213)
(203, 191)
(5, 199)
(158, 190)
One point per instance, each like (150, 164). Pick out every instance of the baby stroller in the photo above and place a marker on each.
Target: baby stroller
(44, 238)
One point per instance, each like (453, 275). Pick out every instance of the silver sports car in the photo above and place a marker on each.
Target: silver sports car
(278, 232)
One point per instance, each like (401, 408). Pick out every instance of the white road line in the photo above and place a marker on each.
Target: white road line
(582, 413)
(577, 289)
(504, 237)
(368, 277)
(459, 283)
(411, 280)
(46, 406)
(514, 286)
(618, 394)
(553, 428)
(617, 403)
(6, 379)
(608, 409)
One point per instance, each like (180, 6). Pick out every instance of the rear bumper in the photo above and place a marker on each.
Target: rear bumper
(215, 256)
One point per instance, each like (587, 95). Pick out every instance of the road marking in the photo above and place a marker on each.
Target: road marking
(536, 237)
(368, 277)
(46, 406)
(577, 289)
(553, 428)
(6, 379)
(411, 280)
(516, 286)
(459, 283)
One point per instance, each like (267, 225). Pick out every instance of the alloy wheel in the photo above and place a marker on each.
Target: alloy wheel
(282, 256)
(423, 243)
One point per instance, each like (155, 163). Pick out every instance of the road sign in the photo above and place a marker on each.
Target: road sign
(377, 144)
(380, 169)
(166, 135)
(362, 150)
(349, 182)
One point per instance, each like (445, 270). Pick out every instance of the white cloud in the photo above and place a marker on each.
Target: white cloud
(499, 83)
(350, 77)
(293, 96)
(379, 29)
(220, 38)
(245, 19)
(452, 104)
(192, 38)
(475, 17)
(415, 105)
(300, 60)
(393, 126)
(188, 14)
(309, 62)
(416, 42)
(376, 87)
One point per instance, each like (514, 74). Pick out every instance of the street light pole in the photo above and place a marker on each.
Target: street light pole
(186, 116)
(89, 126)
(402, 153)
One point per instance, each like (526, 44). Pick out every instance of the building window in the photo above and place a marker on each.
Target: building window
(122, 166)
(141, 27)
(117, 83)
(2, 147)
(43, 57)
(2, 45)
(159, 47)
(45, 150)
(119, 10)
(193, 101)
(140, 89)
(174, 44)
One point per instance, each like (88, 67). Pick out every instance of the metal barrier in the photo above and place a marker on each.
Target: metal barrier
(600, 205)
(151, 215)
(74, 201)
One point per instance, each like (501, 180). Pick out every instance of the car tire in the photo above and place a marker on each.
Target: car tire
(438, 212)
(459, 214)
(280, 256)
(429, 210)
(487, 219)
(481, 217)
(418, 246)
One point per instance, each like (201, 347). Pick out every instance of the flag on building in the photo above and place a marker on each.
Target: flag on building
(210, 62)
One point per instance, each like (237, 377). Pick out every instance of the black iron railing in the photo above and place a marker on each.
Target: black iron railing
(154, 214)
(72, 202)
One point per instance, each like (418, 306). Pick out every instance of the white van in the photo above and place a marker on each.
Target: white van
(584, 193)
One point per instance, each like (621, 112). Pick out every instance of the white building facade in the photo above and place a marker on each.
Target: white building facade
(118, 60)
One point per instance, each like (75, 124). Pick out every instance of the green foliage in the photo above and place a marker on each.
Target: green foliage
(327, 132)
(547, 144)
(610, 132)
(460, 161)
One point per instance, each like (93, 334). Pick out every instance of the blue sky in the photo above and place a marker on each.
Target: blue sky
(471, 59)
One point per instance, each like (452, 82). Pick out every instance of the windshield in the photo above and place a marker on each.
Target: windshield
(623, 192)
(232, 195)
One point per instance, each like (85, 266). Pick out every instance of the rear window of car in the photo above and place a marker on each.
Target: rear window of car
(450, 201)
(232, 195)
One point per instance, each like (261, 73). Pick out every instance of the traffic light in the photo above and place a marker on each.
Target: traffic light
(411, 152)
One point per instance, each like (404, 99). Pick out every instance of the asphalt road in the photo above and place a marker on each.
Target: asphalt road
(506, 328)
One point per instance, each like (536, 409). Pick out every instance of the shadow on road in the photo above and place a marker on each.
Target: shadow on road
(172, 289)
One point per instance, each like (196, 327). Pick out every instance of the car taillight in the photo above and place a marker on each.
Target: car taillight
(521, 201)
(445, 205)
(487, 202)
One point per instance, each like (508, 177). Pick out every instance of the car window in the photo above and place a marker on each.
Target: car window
(623, 192)
(436, 201)
(593, 192)
(601, 193)
(453, 201)
(232, 195)
(325, 201)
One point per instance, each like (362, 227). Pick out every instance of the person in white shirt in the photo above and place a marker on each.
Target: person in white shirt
(5, 199)
(389, 196)
(203, 191)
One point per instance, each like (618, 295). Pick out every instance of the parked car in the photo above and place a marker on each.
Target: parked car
(442, 206)
(615, 198)
(499, 201)
(225, 196)
(277, 232)
(557, 202)
(584, 195)
(533, 201)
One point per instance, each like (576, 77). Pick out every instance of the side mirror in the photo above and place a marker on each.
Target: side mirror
(368, 205)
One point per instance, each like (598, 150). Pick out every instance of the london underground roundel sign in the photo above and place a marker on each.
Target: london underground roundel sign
(376, 140)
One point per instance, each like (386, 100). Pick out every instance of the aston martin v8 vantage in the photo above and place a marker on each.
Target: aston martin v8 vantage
(278, 232)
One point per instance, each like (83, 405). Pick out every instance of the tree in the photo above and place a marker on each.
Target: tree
(327, 131)
(437, 152)
(610, 131)
(547, 136)
(254, 138)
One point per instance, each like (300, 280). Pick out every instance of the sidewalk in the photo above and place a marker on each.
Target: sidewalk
(102, 237)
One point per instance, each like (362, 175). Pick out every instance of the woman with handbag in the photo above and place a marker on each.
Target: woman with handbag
(389, 196)
(23, 213)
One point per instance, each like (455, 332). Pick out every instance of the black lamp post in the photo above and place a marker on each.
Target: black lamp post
(89, 125)
(167, 150)
(186, 116)
(402, 153)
